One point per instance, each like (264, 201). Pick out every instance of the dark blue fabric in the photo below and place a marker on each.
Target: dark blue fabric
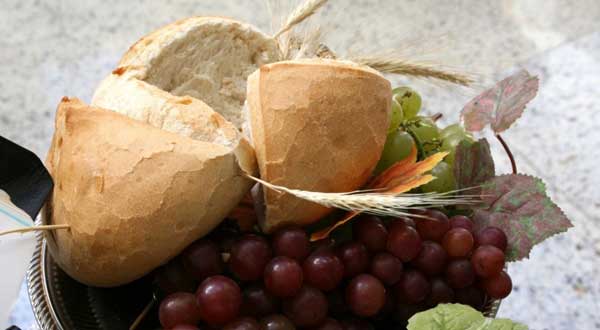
(24, 177)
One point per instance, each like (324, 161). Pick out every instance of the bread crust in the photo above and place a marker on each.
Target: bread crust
(134, 195)
(186, 58)
(317, 125)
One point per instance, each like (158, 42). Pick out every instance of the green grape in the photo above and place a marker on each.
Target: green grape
(454, 129)
(397, 147)
(425, 130)
(427, 135)
(451, 137)
(451, 141)
(397, 116)
(444, 179)
(409, 100)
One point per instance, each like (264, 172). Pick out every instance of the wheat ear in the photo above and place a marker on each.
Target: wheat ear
(375, 202)
(302, 12)
(396, 65)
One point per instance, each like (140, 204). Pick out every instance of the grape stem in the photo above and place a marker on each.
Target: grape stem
(143, 314)
(509, 153)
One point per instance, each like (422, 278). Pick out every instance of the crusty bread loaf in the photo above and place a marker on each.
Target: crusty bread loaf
(317, 125)
(206, 58)
(134, 195)
(137, 190)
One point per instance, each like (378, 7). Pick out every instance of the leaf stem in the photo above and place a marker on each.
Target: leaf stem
(34, 228)
(509, 153)
(143, 314)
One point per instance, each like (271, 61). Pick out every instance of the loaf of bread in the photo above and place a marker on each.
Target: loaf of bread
(317, 125)
(158, 160)
(134, 195)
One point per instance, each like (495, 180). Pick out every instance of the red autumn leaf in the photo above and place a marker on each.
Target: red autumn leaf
(518, 205)
(473, 164)
(501, 105)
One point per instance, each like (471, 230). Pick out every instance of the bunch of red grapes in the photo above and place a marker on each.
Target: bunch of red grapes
(388, 271)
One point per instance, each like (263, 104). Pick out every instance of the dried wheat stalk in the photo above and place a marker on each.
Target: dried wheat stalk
(388, 63)
(374, 202)
(302, 12)
(34, 228)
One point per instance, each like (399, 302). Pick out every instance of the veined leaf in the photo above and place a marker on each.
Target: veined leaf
(473, 164)
(518, 205)
(458, 317)
(501, 105)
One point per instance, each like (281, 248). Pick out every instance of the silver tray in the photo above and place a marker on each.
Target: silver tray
(61, 303)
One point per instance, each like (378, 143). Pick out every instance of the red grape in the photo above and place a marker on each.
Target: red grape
(249, 256)
(498, 286)
(407, 221)
(487, 261)
(291, 242)
(178, 308)
(323, 269)
(458, 242)
(365, 295)
(184, 327)
(387, 268)
(203, 259)
(308, 308)
(403, 241)
(461, 221)
(337, 302)
(413, 287)
(440, 292)
(328, 324)
(245, 323)
(258, 302)
(406, 311)
(225, 234)
(173, 277)
(325, 244)
(471, 296)
(432, 258)
(283, 277)
(460, 273)
(219, 299)
(355, 257)
(434, 226)
(276, 322)
(370, 231)
(492, 236)
(356, 324)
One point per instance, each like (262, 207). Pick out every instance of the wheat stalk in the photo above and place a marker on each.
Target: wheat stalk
(392, 64)
(374, 202)
(302, 12)
(34, 228)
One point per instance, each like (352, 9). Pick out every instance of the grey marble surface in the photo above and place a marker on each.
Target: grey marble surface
(49, 49)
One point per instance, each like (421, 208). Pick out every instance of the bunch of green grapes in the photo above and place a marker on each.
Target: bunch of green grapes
(408, 129)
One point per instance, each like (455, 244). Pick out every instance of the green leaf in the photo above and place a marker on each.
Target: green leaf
(473, 164)
(458, 317)
(518, 205)
(501, 105)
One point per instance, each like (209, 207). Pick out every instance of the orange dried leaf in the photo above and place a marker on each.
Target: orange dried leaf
(395, 170)
(401, 177)
(410, 184)
(415, 170)
(324, 233)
